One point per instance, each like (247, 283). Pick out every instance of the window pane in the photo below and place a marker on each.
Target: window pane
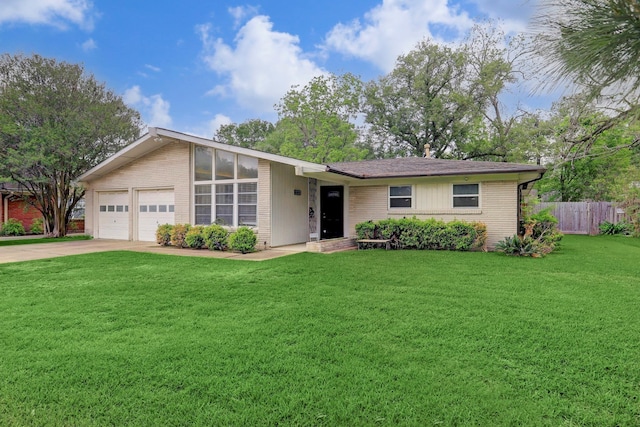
(119, 208)
(126, 208)
(111, 208)
(463, 189)
(465, 202)
(224, 209)
(400, 202)
(224, 199)
(248, 187)
(203, 199)
(405, 190)
(162, 208)
(247, 167)
(143, 208)
(171, 207)
(153, 208)
(247, 198)
(224, 189)
(103, 208)
(203, 163)
(203, 215)
(203, 210)
(224, 165)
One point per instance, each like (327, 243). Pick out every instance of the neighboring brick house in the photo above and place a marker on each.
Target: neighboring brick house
(13, 205)
(171, 177)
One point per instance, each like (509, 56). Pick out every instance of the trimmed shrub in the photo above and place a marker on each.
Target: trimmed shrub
(37, 226)
(243, 240)
(178, 235)
(544, 227)
(413, 233)
(194, 237)
(540, 237)
(12, 227)
(216, 237)
(163, 234)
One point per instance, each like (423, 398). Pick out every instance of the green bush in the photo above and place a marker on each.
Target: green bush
(608, 228)
(243, 240)
(163, 234)
(12, 227)
(178, 235)
(544, 226)
(523, 246)
(216, 237)
(433, 234)
(37, 226)
(194, 237)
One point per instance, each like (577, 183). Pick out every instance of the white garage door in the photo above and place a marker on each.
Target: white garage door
(113, 215)
(155, 207)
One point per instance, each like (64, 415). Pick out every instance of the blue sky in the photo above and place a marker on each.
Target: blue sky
(192, 65)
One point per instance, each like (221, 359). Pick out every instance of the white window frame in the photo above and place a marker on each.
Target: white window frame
(390, 197)
(235, 181)
(455, 196)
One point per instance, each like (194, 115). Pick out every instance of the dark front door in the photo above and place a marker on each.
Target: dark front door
(332, 212)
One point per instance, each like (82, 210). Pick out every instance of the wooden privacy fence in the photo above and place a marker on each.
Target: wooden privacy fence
(582, 217)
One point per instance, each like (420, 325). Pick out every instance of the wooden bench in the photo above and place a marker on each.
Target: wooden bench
(386, 242)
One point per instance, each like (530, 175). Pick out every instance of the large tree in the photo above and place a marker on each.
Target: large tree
(249, 134)
(447, 97)
(316, 122)
(594, 46)
(56, 122)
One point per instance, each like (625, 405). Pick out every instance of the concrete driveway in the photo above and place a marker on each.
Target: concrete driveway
(52, 250)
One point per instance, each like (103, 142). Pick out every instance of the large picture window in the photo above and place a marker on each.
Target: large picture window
(226, 187)
(400, 196)
(466, 195)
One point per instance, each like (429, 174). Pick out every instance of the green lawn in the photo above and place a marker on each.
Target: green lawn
(354, 338)
(27, 241)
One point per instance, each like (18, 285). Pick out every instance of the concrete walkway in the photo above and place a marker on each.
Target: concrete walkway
(51, 250)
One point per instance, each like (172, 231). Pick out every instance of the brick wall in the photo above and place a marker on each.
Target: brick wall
(20, 210)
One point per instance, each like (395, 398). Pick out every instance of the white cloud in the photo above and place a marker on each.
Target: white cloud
(261, 67)
(240, 13)
(48, 12)
(154, 109)
(152, 68)
(395, 27)
(216, 122)
(514, 14)
(89, 45)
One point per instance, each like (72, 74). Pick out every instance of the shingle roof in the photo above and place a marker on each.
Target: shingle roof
(425, 166)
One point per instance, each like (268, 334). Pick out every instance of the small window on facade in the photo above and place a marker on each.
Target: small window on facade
(203, 163)
(153, 208)
(400, 196)
(466, 195)
(119, 208)
(248, 203)
(103, 208)
(143, 208)
(202, 204)
(171, 208)
(224, 204)
(111, 208)
(126, 208)
(247, 167)
(162, 208)
(224, 165)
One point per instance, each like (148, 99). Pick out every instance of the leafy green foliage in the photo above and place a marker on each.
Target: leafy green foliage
(609, 228)
(195, 237)
(216, 237)
(315, 121)
(179, 234)
(13, 227)
(56, 122)
(539, 238)
(36, 226)
(163, 234)
(430, 234)
(249, 134)
(243, 240)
